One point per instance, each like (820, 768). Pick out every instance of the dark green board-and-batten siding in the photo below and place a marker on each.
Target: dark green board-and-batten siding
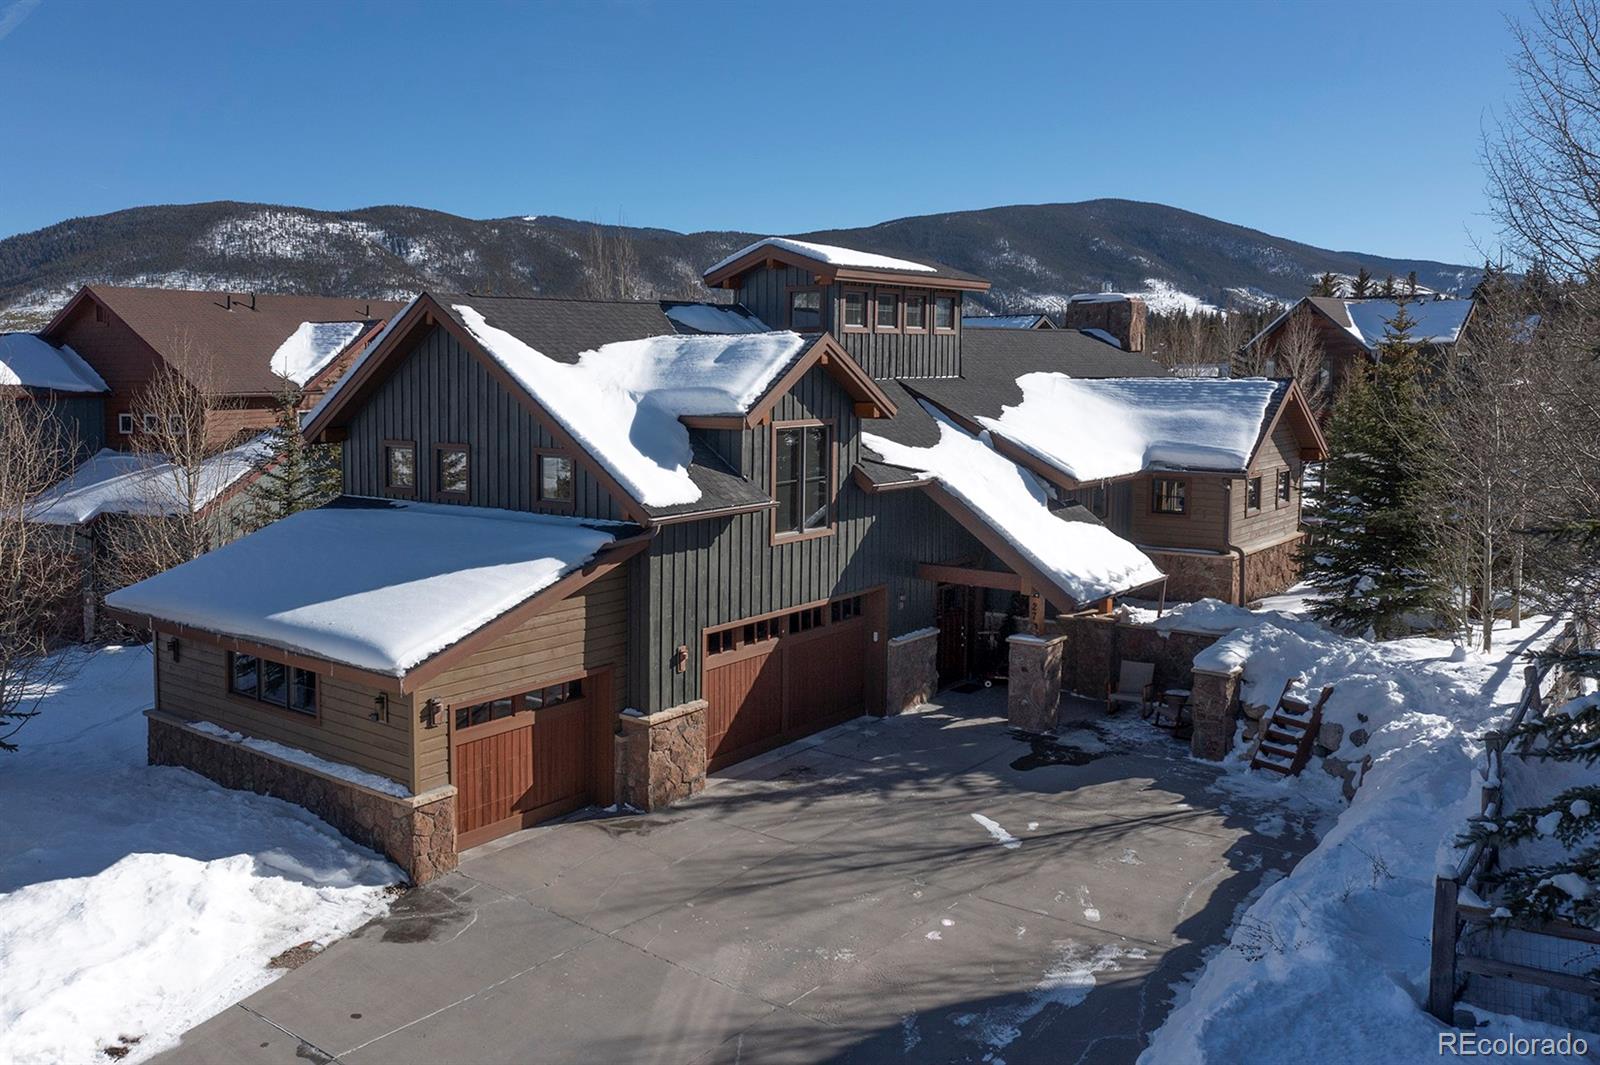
(441, 394)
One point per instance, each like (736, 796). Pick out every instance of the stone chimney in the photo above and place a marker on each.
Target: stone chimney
(1116, 314)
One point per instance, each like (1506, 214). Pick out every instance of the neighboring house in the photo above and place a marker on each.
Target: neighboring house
(1007, 321)
(59, 380)
(588, 549)
(1349, 330)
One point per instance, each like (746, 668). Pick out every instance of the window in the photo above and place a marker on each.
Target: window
(99, 315)
(1285, 488)
(855, 310)
(452, 472)
(482, 713)
(805, 620)
(510, 705)
(1097, 501)
(844, 609)
(400, 466)
(805, 310)
(801, 479)
(289, 687)
(886, 315)
(1168, 496)
(556, 479)
(1252, 494)
(125, 423)
(916, 314)
(944, 313)
(151, 423)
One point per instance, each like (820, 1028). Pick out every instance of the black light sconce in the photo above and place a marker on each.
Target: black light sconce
(382, 711)
(172, 647)
(430, 713)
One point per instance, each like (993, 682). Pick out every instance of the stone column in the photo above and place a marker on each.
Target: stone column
(661, 757)
(1214, 705)
(913, 670)
(1033, 689)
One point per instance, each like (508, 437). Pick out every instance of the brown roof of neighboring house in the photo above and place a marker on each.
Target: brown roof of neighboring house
(237, 333)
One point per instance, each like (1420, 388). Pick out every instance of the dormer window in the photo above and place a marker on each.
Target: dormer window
(944, 314)
(805, 310)
(853, 311)
(886, 312)
(916, 314)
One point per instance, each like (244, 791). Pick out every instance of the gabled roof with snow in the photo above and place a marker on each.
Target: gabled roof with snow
(312, 346)
(1367, 320)
(122, 482)
(829, 254)
(377, 585)
(1082, 560)
(839, 262)
(1089, 430)
(1007, 321)
(29, 361)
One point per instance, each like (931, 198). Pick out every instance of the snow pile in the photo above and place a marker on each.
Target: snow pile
(1087, 561)
(305, 758)
(710, 318)
(826, 253)
(380, 586)
(28, 361)
(1347, 931)
(311, 347)
(136, 901)
(1118, 426)
(622, 401)
(122, 482)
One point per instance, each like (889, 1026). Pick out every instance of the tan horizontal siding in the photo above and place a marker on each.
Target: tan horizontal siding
(1202, 527)
(1274, 521)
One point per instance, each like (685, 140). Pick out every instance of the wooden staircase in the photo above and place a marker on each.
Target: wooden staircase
(1289, 732)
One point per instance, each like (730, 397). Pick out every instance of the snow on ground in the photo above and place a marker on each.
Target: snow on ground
(311, 347)
(136, 901)
(1335, 956)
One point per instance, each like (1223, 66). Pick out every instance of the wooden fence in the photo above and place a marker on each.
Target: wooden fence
(1460, 919)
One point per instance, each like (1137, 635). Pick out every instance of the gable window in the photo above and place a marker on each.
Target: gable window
(886, 313)
(805, 310)
(853, 311)
(802, 479)
(944, 314)
(916, 314)
(125, 423)
(400, 466)
(1168, 495)
(266, 681)
(100, 315)
(1252, 494)
(556, 479)
(1285, 488)
(450, 476)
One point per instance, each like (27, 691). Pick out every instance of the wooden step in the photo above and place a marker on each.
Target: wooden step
(1286, 753)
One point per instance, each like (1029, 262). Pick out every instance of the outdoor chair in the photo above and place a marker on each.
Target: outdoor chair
(1135, 684)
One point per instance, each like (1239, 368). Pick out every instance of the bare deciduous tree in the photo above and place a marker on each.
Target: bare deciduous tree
(1299, 355)
(611, 266)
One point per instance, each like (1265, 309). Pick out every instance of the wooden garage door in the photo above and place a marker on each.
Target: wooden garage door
(773, 680)
(524, 758)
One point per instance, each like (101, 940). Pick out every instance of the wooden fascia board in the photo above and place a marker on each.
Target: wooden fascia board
(910, 279)
(755, 259)
(605, 562)
(721, 512)
(968, 576)
(727, 276)
(871, 487)
(1308, 425)
(987, 536)
(826, 351)
(66, 312)
(325, 378)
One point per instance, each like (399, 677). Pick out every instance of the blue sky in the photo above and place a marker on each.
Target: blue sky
(1353, 126)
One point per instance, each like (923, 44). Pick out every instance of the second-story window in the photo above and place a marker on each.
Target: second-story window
(802, 476)
(556, 479)
(1285, 488)
(916, 314)
(805, 310)
(400, 466)
(886, 312)
(451, 478)
(1168, 495)
(853, 310)
(1252, 494)
(944, 313)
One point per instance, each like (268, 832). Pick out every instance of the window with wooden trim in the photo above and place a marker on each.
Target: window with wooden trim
(916, 314)
(152, 423)
(399, 466)
(273, 683)
(944, 314)
(125, 423)
(802, 479)
(844, 609)
(886, 312)
(557, 479)
(1169, 495)
(805, 310)
(1285, 488)
(853, 310)
(1252, 494)
(451, 471)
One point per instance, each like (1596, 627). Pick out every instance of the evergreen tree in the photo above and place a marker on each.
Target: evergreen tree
(1361, 284)
(1326, 285)
(1411, 283)
(1372, 553)
(296, 475)
(1389, 291)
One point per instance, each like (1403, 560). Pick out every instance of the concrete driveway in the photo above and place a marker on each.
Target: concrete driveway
(927, 888)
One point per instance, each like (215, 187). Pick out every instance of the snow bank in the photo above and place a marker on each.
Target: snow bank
(710, 318)
(1086, 560)
(1111, 428)
(827, 253)
(380, 586)
(311, 347)
(121, 482)
(29, 361)
(622, 401)
(305, 758)
(136, 900)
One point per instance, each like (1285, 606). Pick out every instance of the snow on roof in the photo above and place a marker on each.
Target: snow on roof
(376, 585)
(1087, 560)
(31, 362)
(622, 401)
(999, 321)
(122, 482)
(1118, 426)
(311, 347)
(827, 253)
(1438, 321)
(1099, 297)
(710, 318)
(1102, 335)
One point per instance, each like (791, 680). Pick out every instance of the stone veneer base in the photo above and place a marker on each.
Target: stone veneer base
(661, 757)
(1033, 688)
(1214, 708)
(913, 670)
(417, 833)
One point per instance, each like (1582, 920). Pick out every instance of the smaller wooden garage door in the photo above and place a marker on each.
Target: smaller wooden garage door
(525, 758)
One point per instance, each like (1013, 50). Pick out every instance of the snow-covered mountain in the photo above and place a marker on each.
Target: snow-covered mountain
(1037, 255)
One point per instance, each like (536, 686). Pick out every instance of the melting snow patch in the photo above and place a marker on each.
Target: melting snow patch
(1001, 836)
(1130, 857)
(1065, 984)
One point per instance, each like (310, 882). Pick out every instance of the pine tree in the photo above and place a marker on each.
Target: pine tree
(1372, 554)
(1389, 291)
(1326, 285)
(296, 475)
(1411, 283)
(1361, 284)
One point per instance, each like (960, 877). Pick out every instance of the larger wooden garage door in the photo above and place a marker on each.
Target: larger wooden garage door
(526, 758)
(776, 679)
